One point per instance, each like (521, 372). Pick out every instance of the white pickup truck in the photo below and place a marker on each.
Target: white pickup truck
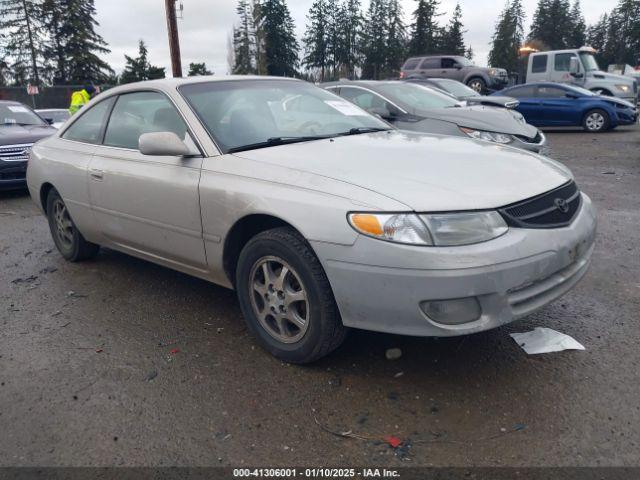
(579, 67)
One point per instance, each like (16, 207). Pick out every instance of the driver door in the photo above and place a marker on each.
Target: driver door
(147, 205)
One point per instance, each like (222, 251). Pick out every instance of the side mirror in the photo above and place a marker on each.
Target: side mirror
(574, 67)
(49, 121)
(162, 144)
(381, 112)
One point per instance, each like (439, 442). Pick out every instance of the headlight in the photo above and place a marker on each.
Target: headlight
(624, 88)
(399, 228)
(442, 229)
(493, 72)
(488, 136)
(449, 229)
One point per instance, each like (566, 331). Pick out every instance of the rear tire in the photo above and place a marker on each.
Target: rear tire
(68, 239)
(286, 298)
(596, 121)
(477, 84)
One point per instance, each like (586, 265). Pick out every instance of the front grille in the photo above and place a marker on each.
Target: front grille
(15, 153)
(553, 209)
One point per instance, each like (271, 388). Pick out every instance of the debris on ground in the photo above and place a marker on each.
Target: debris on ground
(151, 375)
(173, 351)
(393, 354)
(29, 279)
(99, 350)
(72, 294)
(545, 340)
(608, 172)
(394, 442)
(48, 270)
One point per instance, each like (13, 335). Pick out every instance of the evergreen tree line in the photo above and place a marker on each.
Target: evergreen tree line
(559, 24)
(341, 40)
(54, 42)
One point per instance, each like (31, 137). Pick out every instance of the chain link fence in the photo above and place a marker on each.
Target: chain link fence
(49, 97)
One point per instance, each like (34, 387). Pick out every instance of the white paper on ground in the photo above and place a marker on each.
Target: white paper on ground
(545, 340)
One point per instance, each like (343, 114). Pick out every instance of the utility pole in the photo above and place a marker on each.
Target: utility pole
(174, 41)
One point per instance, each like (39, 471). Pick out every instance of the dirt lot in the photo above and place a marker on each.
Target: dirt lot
(88, 377)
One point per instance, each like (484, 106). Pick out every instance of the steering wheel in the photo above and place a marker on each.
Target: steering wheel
(309, 127)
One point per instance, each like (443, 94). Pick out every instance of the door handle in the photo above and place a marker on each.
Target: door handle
(97, 174)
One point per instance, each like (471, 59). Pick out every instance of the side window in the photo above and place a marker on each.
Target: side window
(429, 63)
(539, 64)
(551, 92)
(88, 128)
(448, 63)
(521, 92)
(562, 61)
(363, 98)
(142, 112)
(411, 64)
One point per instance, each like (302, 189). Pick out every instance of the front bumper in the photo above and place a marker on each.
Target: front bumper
(536, 145)
(380, 286)
(13, 174)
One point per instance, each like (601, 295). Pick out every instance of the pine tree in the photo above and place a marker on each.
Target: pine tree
(139, 69)
(74, 44)
(396, 40)
(578, 35)
(349, 49)
(453, 38)
(550, 24)
(508, 37)
(198, 69)
(242, 41)
(316, 40)
(375, 35)
(425, 30)
(623, 33)
(469, 54)
(280, 44)
(24, 39)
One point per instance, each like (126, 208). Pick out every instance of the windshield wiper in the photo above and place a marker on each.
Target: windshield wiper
(275, 141)
(360, 130)
(20, 124)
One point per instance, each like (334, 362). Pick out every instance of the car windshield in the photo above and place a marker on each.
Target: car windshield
(465, 62)
(247, 114)
(16, 114)
(411, 96)
(589, 61)
(456, 88)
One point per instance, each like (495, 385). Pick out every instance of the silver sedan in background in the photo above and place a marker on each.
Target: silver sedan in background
(411, 106)
(318, 214)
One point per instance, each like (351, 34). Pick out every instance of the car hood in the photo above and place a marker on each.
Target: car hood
(613, 77)
(425, 172)
(618, 101)
(505, 102)
(479, 117)
(18, 135)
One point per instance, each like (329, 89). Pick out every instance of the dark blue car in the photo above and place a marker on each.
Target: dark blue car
(560, 105)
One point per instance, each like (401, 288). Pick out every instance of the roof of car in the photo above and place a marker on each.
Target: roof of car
(362, 83)
(176, 82)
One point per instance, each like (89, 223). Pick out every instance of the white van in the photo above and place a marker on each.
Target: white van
(579, 67)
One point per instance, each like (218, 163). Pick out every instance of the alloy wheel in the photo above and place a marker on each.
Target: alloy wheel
(595, 121)
(476, 85)
(63, 224)
(279, 299)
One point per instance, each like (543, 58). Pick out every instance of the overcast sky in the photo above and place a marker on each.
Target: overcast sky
(206, 27)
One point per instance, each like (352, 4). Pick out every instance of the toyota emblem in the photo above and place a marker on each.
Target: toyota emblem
(561, 204)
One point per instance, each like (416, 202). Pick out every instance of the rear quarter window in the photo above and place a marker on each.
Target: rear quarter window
(521, 92)
(539, 64)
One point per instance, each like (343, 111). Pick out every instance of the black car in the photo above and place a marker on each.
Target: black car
(20, 128)
(463, 93)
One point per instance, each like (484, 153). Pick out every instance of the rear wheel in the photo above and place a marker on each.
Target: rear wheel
(286, 298)
(596, 121)
(477, 84)
(68, 239)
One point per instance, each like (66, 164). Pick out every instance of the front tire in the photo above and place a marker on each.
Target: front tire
(68, 239)
(596, 121)
(286, 298)
(477, 84)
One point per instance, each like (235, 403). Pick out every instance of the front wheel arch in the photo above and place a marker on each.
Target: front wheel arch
(44, 194)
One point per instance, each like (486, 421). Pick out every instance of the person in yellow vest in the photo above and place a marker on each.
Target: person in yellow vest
(80, 98)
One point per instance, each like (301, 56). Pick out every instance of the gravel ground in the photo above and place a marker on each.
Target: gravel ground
(121, 362)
